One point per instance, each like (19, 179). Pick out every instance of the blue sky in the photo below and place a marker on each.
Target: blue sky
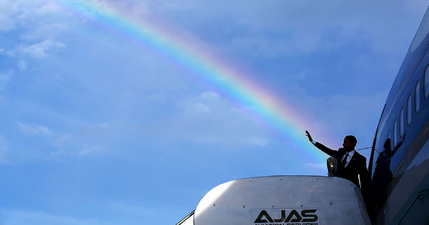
(98, 127)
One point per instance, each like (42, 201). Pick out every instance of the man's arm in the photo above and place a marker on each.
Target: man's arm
(330, 152)
(320, 146)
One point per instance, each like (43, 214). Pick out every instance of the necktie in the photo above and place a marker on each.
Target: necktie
(345, 160)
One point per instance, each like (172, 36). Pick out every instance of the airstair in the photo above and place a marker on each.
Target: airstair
(281, 200)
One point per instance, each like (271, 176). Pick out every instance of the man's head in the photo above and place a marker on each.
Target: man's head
(350, 142)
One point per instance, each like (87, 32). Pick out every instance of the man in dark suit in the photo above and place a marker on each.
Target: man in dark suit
(350, 164)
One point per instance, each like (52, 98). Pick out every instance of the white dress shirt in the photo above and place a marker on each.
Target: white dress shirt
(350, 155)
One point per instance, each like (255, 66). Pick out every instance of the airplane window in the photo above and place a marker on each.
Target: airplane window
(417, 97)
(426, 80)
(409, 110)
(395, 133)
(401, 123)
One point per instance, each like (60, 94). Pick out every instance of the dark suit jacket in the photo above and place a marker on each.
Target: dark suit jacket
(356, 166)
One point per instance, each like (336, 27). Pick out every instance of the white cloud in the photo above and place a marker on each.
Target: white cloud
(259, 142)
(318, 168)
(3, 150)
(22, 65)
(37, 25)
(201, 103)
(7, 9)
(63, 152)
(4, 79)
(16, 13)
(46, 31)
(157, 98)
(6, 52)
(316, 165)
(70, 146)
(211, 119)
(130, 210)
(20, 217)
(210, 95)
(104, 125)
(42, 49)
(88, 151)
(49, 7)
(192, 107)
(34, 129)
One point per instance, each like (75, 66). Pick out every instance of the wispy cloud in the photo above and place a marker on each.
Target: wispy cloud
(62, 146)
(209, 118)
(42, 49)
(4, 79)
(3, 150)
(22, 65)
(20, 217)
(6, 52)
(46, 31)
(7, 10)
(34, 129)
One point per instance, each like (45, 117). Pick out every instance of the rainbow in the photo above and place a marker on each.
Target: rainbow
(195, 58)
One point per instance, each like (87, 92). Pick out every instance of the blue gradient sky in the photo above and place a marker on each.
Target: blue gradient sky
(98, 126)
